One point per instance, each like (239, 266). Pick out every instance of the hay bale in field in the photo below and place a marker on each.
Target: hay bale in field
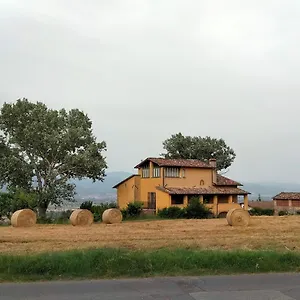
(238, 217)
(112, 216)
(81, 217)
(23, 218)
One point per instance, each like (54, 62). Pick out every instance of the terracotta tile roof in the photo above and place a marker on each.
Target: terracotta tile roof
(262, 204)
(287, 196)
(129, 177)
(202, 191)
(222, 180)
(187, 163)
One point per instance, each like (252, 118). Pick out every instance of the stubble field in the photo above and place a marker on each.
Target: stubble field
(264, 233)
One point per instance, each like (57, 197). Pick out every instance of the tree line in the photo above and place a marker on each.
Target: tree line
(42, 149)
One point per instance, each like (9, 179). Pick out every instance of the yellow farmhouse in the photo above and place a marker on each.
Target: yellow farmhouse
(163, 183)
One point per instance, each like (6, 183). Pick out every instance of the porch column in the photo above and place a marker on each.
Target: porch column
(215, 205)
(185, 200)
(151, 169)
(246, 202)
(201, 198)
(230, 199)
(275, 208)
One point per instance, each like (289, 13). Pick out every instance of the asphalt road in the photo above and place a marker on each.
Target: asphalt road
(258, 287)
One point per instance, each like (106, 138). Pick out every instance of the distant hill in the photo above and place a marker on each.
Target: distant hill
(103, 190)
(267, 190)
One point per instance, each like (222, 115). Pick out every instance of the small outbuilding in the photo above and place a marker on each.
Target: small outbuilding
(287, 201)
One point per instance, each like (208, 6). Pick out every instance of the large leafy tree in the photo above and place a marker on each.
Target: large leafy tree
(197, 147)
(42, 149)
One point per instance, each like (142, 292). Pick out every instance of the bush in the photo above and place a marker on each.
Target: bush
(172, 212)
(87, 205)
(134, 209)
(97, 210)
(55, 217)
(194, 210)
(5, 204)
(256, 211)
(14, 200)
(124, 213)
(283, 213)
(197, 210)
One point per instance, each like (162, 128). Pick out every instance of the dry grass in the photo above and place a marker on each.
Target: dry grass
(272, 233)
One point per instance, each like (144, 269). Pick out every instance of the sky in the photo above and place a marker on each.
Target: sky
(143, 70)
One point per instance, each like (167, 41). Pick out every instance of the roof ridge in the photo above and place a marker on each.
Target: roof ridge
(203, 190)
(177, 162)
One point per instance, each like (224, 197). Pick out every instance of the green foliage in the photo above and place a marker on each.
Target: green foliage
(124, 213)
(197, 210)
(197, 147)
(42, 149)
(14, 200)
(87, 205)
(23, 199)
(172, 212)
(54, 217)
(114, 263)
(98, 210)
(283, 213)
(194, 210)
(256, 211)
(6, 200)
(133, 210)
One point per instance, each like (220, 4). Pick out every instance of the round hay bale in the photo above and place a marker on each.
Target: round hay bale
(238, 217)
(81, 217)
(112, 216)
(228, 216)
(23, 218)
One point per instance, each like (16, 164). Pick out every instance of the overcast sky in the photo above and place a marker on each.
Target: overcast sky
(144, 70)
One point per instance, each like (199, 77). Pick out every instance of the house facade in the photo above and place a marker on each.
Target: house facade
(287, 202)
(163, 183)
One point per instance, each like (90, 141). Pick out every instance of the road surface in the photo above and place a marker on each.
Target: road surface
(258, 287)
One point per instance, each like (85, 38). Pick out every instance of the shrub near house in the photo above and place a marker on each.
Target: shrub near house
(194, 210)
(97, 210)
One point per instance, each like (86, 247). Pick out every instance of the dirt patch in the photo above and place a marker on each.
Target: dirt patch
(277, 233)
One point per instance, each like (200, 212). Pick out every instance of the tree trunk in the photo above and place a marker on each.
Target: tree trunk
(42, 211)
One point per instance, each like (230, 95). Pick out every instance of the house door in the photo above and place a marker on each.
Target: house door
(152, 200)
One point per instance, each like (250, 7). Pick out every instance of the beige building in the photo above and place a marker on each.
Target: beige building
(286, 201)
(162, 183)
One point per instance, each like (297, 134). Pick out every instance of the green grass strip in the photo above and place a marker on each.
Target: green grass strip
(116, 263)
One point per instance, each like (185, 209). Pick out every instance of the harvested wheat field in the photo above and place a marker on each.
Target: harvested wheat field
(277, 233)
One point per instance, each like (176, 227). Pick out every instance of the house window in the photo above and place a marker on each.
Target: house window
(201, 182)
(145, 172)
(177, 199)
(207, 200)
(156, 172)
(172, 172)
(183, 173)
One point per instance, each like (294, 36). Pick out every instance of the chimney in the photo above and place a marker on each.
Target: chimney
(213, 164)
